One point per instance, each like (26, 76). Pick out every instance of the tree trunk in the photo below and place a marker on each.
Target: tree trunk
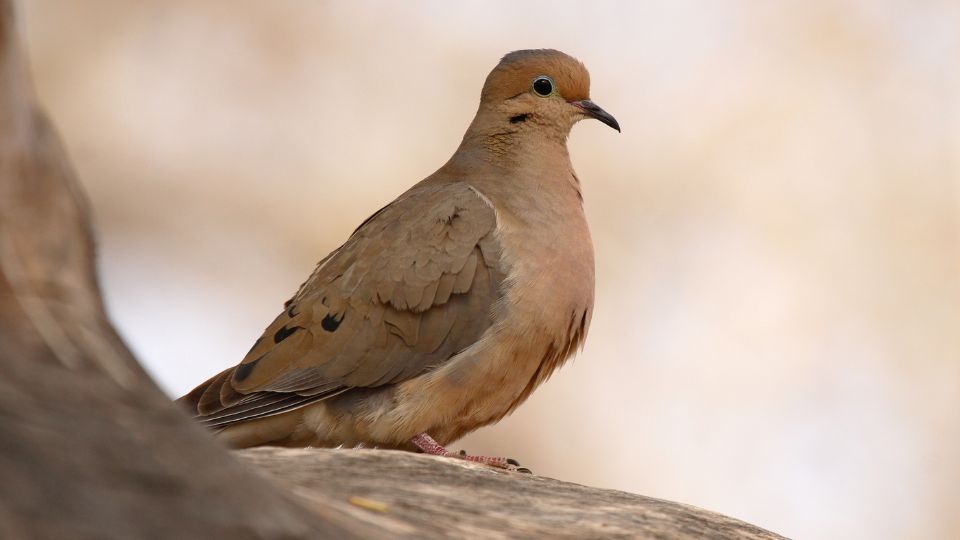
(89, 446)
(418, 496)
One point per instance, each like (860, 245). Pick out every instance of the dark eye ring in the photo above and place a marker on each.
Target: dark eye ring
(543, 86)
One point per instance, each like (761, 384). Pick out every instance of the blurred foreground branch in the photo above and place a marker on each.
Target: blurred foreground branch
(90, 447)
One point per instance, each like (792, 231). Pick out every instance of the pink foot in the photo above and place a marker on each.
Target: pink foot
(429, 446)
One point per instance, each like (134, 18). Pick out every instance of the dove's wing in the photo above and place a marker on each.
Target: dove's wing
(414, 285)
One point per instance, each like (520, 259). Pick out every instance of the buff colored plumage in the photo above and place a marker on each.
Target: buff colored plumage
(446, 308)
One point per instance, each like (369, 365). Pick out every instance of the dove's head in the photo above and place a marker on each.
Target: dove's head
(539, 88)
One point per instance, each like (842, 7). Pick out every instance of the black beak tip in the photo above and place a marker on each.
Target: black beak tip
(606, 118)
(593, 110)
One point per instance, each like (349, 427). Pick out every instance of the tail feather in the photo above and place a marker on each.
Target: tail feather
(217, 404)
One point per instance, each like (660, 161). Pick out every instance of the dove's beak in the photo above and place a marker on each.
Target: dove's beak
(593, 110)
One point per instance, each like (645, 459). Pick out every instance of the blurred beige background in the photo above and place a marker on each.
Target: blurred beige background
(777, 332)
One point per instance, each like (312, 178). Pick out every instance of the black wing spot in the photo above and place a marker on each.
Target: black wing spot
(243, 370)
(519, 118)
(291, 307)
(452, 217)
(283, 333)
(330, 323)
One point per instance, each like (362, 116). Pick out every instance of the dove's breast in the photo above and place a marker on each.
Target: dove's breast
(542, 317)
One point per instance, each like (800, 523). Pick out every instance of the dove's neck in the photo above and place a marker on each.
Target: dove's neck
(524, 167)
(515, 143)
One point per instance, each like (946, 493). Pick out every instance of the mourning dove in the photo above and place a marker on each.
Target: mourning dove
(445, 309)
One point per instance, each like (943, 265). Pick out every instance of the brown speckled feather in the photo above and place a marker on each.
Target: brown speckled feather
(412, 286)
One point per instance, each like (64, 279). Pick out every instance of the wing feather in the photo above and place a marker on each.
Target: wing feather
(413, 286)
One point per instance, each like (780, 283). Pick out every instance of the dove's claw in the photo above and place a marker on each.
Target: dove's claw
(429, 446)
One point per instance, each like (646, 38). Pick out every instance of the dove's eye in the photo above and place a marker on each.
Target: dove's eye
(543, 86)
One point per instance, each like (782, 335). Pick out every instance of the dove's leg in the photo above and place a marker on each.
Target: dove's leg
(429, 446)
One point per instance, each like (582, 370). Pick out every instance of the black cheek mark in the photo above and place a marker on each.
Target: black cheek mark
(243, 370)
(283, 333)
(330, 323)
(519, 118)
